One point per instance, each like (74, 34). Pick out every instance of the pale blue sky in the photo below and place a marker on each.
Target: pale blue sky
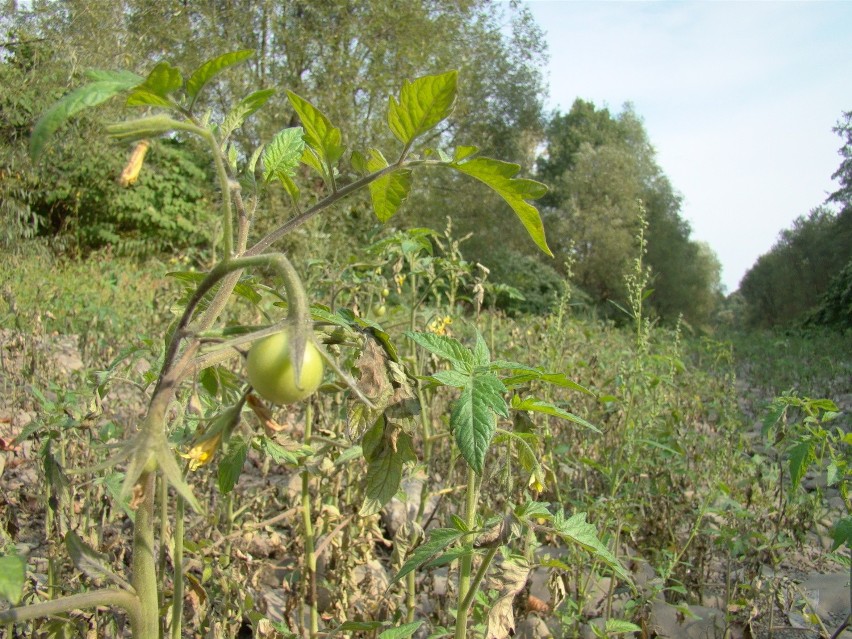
(738, 98)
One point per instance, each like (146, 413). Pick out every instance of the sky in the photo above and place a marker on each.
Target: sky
(738, 99)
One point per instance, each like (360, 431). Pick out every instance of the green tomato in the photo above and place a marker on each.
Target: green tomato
(270, 370)
(379, 310)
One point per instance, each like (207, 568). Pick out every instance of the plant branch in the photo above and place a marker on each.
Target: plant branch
(119, 598)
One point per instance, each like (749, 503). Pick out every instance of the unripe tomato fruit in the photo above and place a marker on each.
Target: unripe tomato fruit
(270, 370)
(380, 310)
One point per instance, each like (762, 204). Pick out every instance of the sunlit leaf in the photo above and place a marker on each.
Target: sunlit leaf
(13, 573)
(499, 176)
(161, 81)
(577, 530)
(421, 105)
(242, 110)
(281, 156)
(207, 71)
(320, 134)
(472, 418)
(389, 191)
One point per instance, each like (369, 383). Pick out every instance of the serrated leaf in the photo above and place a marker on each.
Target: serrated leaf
(472, 418)
(281, 156)
(320, 134)
(618, 627)
(207, 71)
(439, 540)
(81, 98)
(581, 532)
(162, 80)
(384, 474)
(13, 573)
(282, 455)
(446, 348)
(481, 354)
(401, 632)
(842, 533)
(231, 465)
(242, 110)
(453, 378)
(499, 176)
(832, 474)
(801, 455)
(540, 406)
(421, 105)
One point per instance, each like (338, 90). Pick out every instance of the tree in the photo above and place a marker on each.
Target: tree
(331, 50)
(601, 167)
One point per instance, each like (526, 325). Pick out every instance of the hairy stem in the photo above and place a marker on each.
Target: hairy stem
(307, 522)
(466, 563)
(144, 579)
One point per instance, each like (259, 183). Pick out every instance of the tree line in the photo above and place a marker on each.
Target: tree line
(347, 56)
(806, 278)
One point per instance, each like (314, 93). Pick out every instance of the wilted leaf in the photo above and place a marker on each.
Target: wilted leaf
(87, 559)
(509, 579)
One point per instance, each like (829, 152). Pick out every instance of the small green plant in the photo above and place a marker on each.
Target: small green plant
(200, 347)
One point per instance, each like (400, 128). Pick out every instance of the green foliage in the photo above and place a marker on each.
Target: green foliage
(788, 282)
(12, 576)
(538, 284)
(835, 307)
(600, 166)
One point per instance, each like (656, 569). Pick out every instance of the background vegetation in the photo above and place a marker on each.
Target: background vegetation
(689, 475)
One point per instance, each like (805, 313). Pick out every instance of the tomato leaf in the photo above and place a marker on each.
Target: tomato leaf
(232, 463)
(13, 573)
(577, 530)
(161, 81)
(401, 632)
(446, 348)
(439, 540)
(499, 176)
(87, 559)
(384, 473)
(389, 191)
(539, 406)
(207, 71)
(840, 534)
(801, 455)
(281, 156)
(472, 418)
(320, 134)
(242, 110)
(106, 86)
(421, 105)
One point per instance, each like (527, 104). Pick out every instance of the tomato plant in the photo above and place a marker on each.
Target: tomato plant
(272, 374)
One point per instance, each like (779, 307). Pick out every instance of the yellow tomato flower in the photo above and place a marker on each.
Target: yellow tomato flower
(203, 450)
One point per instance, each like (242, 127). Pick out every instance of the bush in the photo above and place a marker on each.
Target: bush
(540, 284)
